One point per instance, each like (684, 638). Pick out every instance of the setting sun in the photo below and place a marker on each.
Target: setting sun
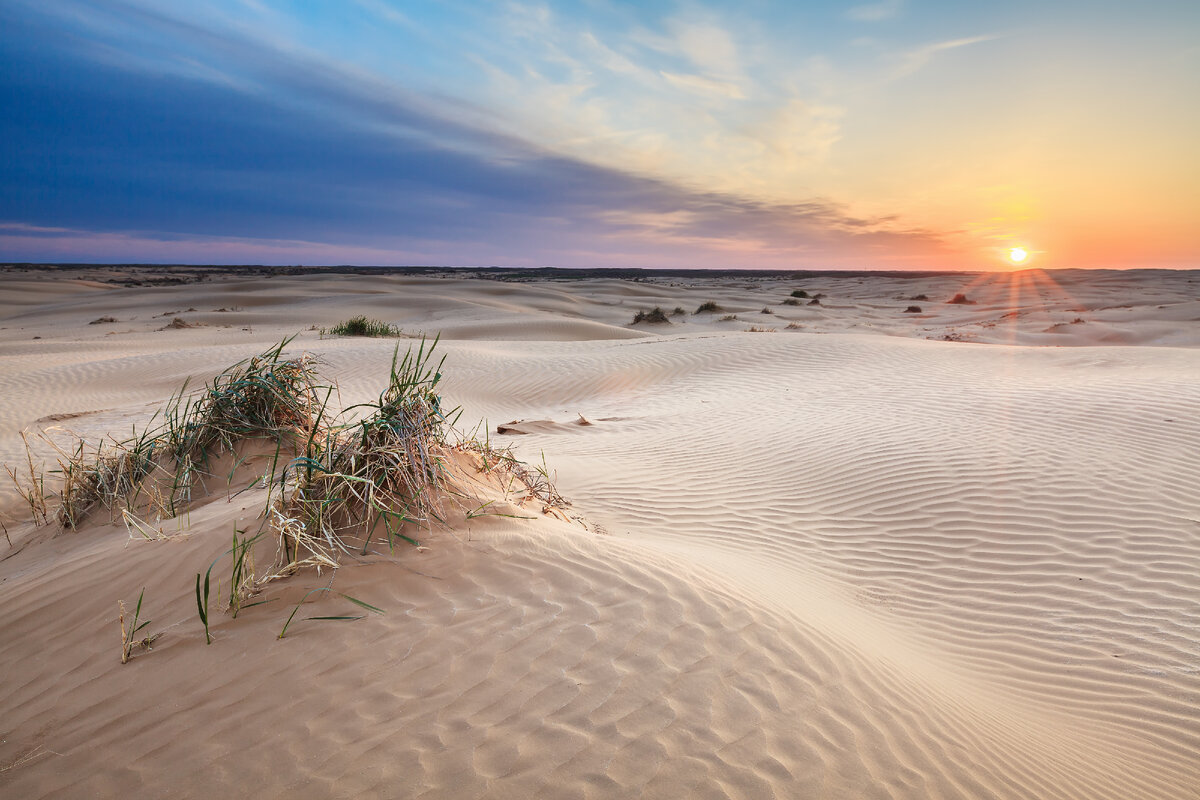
(1018, 255)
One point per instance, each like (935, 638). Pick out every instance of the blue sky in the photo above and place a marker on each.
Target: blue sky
(896, 134)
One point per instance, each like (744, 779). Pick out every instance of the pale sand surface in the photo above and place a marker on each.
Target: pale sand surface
(849, 560)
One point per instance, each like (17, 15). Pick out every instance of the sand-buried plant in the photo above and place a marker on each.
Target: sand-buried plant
(362, 326)
(129, 638)
(655, 316)
(335, 484)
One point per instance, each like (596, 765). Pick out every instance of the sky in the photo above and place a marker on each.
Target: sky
(897, 134)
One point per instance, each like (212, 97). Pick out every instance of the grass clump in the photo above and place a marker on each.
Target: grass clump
(362, 326)
(791, 301)
(708, 307)
(656, 316)
(960, 300)
(913, 310)
(729, 318)
(678, 312)
(800, 293)
(335, 485)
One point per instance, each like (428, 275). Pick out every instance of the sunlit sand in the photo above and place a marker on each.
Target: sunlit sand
(833, 536)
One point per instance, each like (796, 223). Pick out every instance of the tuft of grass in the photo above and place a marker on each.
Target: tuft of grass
(129, 638)
(241, 579)
(756, 329)
(708, 307)
(794, 326)
(816, 301)
(729, 318)
(791, 301)
(376, 472)
(920, 298)
(202, 601)
(913, 310)
(678, 312)
(35, 493)
(656, 316)
(800, 293)
(960, 300)
(311, 592)
(362, 326)
(766, 310)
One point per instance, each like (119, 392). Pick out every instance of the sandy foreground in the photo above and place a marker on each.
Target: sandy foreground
(952, 553)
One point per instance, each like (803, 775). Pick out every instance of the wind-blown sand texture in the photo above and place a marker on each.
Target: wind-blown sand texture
(846, 559)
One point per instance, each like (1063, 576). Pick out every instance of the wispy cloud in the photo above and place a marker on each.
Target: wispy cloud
(913, 60)
(876, 12)
(697, 83)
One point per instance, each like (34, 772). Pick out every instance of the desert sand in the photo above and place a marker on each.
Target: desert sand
(839, 550)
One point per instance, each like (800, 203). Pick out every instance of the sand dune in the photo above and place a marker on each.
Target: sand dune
(851, 559)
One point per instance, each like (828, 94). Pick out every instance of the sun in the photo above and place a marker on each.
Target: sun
(1017, 255)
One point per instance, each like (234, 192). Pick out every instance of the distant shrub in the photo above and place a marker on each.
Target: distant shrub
(361, 326)
(678, 312)
(756, 329)
(816, 301)
(920, 297)
(913, 310)
(791, 301)
(960, 300)
(656, 316)
(799, 293)
(794, 326)
(729, 318)
(767, 310)
(708, 308)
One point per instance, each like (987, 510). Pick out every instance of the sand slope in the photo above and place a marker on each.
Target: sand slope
(831, 564)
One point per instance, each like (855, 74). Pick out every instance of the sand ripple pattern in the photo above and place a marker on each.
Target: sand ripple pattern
(1019, 527)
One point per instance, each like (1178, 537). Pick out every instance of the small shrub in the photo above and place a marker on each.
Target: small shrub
(800, 293)
(708, 308)
(791, 301)
(816, 301)
(655, 317)
(678, 312)
(102, 320)
(361, 326)
(767, 310)
(794, 326)
(913, 310)
(960, 300)
(920, 297)
(729, 318)
(756, 329)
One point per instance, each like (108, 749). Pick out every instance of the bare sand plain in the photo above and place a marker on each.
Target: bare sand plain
(840, 549)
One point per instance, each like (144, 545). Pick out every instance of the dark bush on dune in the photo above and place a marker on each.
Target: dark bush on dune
(708, 308)
(361, 326)
(656, 316)
(913, 310)
(960, 300)
(800, 293)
